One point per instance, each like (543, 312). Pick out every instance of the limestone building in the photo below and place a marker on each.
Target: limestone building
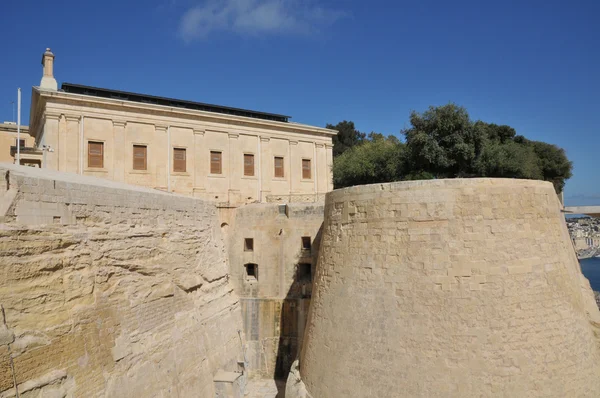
(30, 155)
(228, 155)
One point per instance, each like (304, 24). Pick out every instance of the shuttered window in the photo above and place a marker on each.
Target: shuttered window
(306, 169)
(215, 162)
(95, 154)
(21, 143)
(179, 159)
(140, 157)
(279, 167)
(248, 165)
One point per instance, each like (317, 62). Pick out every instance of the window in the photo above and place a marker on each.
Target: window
(21, 143)
(95, 154)
(248, 245)
(279, 167)
(248, 165)
(304, 272)
(306, 244)
(215, 162)
(306, 169)
(251, 272)
(139, 157)
(179, 160)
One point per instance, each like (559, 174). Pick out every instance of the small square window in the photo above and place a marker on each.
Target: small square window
(251, 271)
(306, 243)
(304, 272)
(248, 245)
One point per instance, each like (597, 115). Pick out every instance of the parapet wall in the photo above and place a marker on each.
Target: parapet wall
(449, 288)
(111, 290)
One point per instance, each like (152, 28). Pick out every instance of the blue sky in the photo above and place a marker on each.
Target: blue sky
(530, 64)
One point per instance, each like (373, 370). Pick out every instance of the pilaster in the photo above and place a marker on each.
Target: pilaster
(51, 140)
(162, 162)
(294, 166)
(120, 154)
(266, 168)
(235, 167)
(329, 169)
(200, 163)
(70, 145)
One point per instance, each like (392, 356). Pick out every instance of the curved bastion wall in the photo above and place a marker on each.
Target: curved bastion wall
(449, 288)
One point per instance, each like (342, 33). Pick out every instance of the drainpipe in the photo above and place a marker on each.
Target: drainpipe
(168, 158)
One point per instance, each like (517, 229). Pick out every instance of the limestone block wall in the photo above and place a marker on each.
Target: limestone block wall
(449, 288)
(274, 303)
(111, 290)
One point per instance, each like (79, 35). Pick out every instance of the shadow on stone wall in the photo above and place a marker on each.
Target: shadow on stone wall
(294, 313)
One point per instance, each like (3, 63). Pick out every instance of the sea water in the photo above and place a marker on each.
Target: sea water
(591, 269)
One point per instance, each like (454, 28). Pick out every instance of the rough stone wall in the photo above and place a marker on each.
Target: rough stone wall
(111, 290)
(449, 288)
(275, 304)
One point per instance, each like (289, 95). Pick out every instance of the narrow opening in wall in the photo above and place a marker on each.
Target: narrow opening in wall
(251, 272)
(306, 243)
(304, 272)
(248, 245)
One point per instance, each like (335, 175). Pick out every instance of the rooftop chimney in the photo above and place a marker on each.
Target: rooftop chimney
(48, 81)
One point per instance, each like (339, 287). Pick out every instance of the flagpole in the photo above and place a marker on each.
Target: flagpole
(18, 126)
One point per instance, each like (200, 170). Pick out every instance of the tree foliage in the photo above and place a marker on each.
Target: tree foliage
(377, 159)
(443, 142)
(347, 137)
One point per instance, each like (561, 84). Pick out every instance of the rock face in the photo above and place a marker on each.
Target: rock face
(449, 288)
(111, 290)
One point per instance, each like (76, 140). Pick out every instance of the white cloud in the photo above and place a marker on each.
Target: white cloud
(255, 17)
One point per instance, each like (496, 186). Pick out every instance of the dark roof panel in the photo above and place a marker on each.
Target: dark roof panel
(151, 99)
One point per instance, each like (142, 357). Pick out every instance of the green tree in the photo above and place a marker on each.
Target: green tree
(553, 162)
(443, 142)
(378, 159)
(347, 137)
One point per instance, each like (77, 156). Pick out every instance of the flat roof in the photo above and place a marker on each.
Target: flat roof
(151, 99)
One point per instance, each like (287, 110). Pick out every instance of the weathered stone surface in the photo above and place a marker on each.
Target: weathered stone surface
(274, 305)
(111, 290)
(449, 288)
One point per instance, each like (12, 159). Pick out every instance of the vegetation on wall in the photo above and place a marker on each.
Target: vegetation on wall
(443, 142)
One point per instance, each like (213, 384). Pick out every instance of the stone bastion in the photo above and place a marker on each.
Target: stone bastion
(448, 288)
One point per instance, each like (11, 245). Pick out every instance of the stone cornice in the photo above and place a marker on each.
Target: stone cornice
(318, 145)
(290, 127)
(160, 128)
(233, 135)
(265, 139)
(119, 123)
(293, 142)
(72, 118)
(199, 131)
(52, 115)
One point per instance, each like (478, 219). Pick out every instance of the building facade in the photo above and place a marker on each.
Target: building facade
(9, 139)
(227, 155)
